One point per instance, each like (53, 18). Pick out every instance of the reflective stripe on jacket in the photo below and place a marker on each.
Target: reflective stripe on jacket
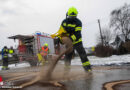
(5, 53)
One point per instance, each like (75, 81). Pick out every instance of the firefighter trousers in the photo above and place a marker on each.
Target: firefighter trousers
(5, 62)
(83, 56)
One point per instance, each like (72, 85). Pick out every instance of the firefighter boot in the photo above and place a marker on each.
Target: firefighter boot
(87, 68)
(3, 67)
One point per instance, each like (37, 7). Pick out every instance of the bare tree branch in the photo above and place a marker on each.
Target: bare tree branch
(120, 20)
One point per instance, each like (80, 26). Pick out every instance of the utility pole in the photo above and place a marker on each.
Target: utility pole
(100, 31)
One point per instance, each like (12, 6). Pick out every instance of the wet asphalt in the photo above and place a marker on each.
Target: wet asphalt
(93, 81)
(98, 78)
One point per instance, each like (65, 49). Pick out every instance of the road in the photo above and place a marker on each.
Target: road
(76, 79)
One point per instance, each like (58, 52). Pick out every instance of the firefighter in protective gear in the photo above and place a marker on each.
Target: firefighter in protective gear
(45, 51)
(71, 27)
(11, 50)
(5, 53)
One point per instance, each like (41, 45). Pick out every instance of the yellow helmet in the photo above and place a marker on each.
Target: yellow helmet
(45, 44)
(72, 11)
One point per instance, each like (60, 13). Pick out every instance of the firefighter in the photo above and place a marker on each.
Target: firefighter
(5, 53)
(45, 51)
(11, 51)
(71, 27)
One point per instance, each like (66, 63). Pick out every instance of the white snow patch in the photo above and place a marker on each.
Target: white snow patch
(115, 59)
(18, 65)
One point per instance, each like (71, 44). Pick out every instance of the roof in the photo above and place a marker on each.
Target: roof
(23, 37)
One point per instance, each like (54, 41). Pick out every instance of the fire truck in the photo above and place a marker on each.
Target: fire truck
(30, 45)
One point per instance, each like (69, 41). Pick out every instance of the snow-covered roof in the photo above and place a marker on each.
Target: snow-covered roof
(115, 43)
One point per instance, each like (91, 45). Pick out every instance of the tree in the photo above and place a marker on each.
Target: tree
(120, 21)
(106, 35)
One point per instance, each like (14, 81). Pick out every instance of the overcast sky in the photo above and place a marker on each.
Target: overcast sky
(28, 16)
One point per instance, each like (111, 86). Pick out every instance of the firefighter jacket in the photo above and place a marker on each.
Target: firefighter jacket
(72, 28)
(44, 51)
(11, 51)
(5, 53)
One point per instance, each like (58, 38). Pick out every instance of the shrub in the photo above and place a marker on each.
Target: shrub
(127, 46)
(103, 51)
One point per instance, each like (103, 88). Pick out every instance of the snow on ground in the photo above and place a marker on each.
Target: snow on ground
(18, 65)
(113, 60)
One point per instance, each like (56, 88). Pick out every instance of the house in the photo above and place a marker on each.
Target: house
(118, 42)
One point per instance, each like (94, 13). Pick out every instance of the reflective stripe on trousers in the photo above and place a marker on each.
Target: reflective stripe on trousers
(87, 63)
